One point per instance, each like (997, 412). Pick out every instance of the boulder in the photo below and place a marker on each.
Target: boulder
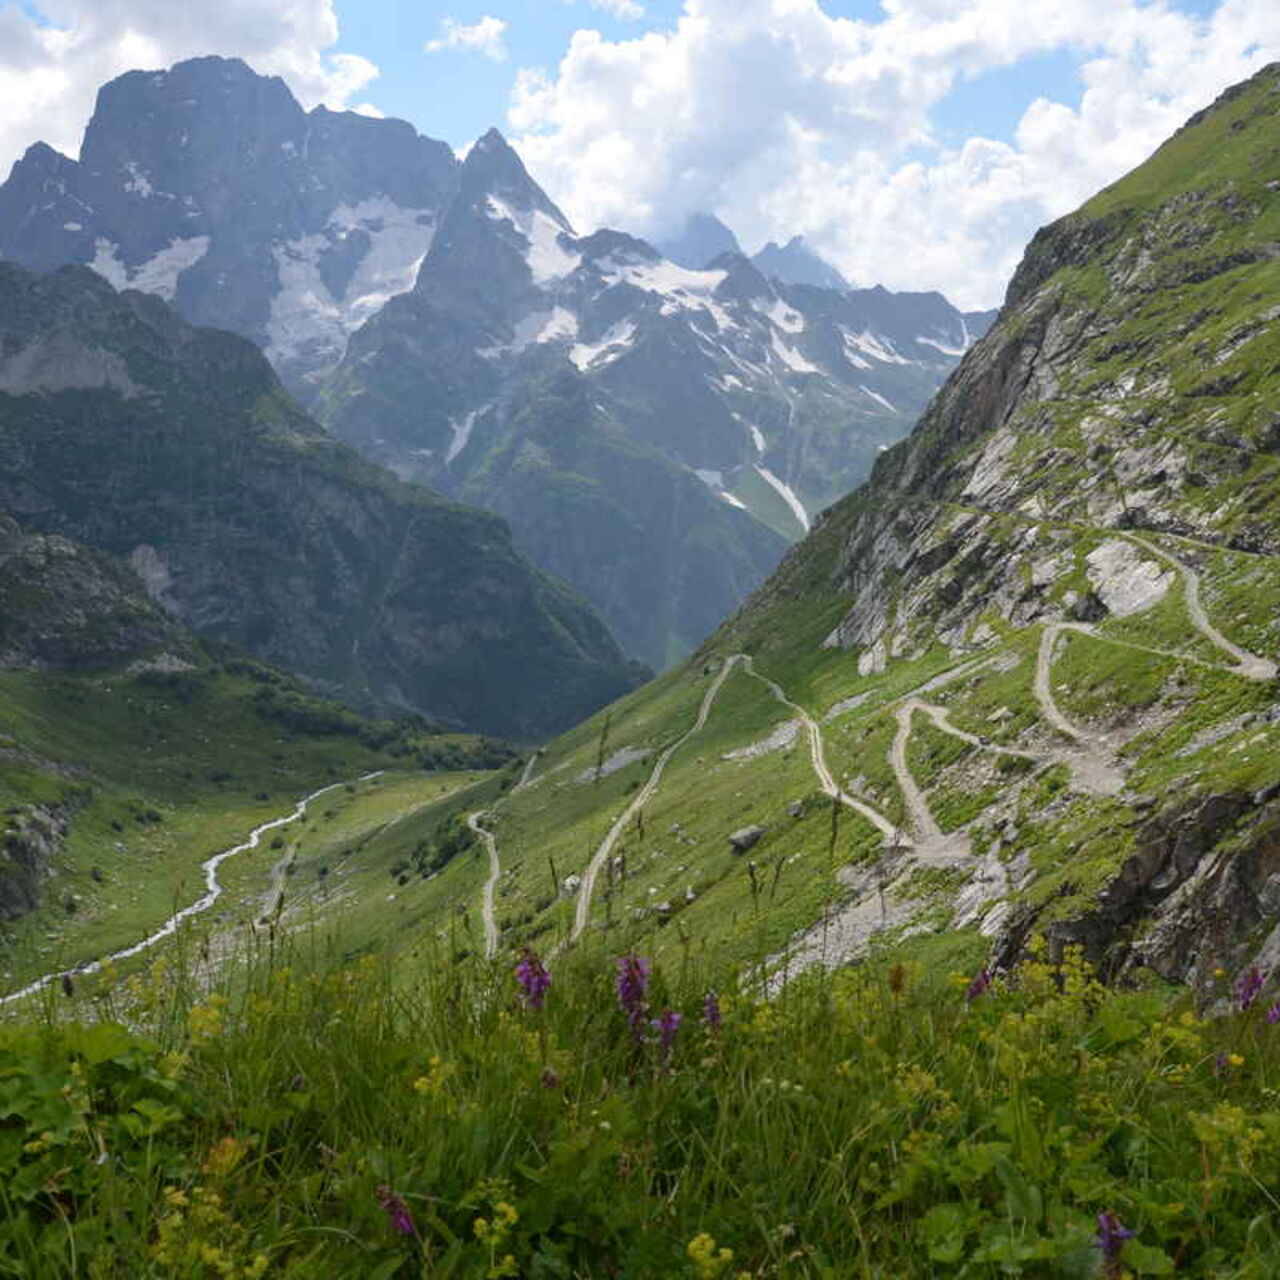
(746, 838)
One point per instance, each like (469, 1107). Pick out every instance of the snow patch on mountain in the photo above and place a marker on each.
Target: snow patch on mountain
(940, 346)
(787, 494)
(548, 259)
(399, 240)
(791, 357)
(305, 316)
(556, 325)
(878, 398)
(877, 348)
(852, 352)
(788, 319)
(616, 343)
(462, 432)
(679, 288)
(158, 275)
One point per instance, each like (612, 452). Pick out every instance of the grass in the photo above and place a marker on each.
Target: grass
(154, 777)
(314, 1118)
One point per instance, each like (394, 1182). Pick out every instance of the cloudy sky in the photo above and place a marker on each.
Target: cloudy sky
(916, 143)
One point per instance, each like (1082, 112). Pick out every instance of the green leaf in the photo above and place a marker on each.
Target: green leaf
(945, 1227)
(1146, 1259)
(1023, 1197)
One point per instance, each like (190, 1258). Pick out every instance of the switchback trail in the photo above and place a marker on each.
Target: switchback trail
(642, 797)
(490, 885)
(1249, 665)
(213, 891)
(892, 834)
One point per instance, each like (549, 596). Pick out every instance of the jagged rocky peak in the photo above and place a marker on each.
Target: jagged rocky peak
(493, 172)
(742, 280)
(797, 263)
(209, 186)
(701, 239)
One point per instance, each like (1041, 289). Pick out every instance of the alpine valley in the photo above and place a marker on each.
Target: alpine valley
(920, 918)
(656, 434)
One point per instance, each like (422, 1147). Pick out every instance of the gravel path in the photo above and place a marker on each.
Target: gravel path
(490, 885)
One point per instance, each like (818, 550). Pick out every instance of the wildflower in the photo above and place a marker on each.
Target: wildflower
(1273, 1014)
(1248, 985)
(1112, 1233)
(708, 1262)
(711, 1017)
(397, 1211)
(666, 1026)
(979, 986)
(1220, 1064)
(549, 1079)
(533, 978)
(633, 985)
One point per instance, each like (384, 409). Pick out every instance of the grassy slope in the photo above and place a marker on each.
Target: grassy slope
(157, 776)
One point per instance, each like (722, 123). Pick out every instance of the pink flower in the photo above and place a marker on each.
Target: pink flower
(633, 987)
(666, 1026)
(397, 1211)
(533, 978)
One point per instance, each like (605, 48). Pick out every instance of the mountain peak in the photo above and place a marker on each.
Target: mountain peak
(796, 263)
(702, 239)
(493, 169)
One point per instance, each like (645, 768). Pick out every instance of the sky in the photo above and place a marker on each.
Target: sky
(914, 143)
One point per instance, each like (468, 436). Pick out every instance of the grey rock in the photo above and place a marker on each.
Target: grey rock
(746, 838)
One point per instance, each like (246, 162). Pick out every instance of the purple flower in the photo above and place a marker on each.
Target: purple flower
(533, 978)
(1248, 985)
(1273, 1014)
(1221, 1064)
(633, 986)
(979, 985)
(666, 1026)
(711, 1018)
(397, 1211)
(1112, 1233)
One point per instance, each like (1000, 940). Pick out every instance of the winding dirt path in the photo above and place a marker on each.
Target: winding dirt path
(213, 891)
(642, 797)
(1247, 664)
(490, 885)
(526, 776)
(892, 834)
(917, 806)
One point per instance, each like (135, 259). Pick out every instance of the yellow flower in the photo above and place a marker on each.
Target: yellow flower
(708, 1262)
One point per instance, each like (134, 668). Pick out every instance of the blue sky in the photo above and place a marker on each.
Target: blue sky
(914, 143)
(457, 95)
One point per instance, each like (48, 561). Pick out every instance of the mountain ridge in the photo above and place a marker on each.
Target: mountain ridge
(178, 449)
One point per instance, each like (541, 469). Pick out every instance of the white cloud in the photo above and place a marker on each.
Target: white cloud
(785, 120)
(485, 36)
(624, 10)
(50, 73)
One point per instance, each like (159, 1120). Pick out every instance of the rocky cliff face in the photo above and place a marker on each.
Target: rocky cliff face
(68, 608)
(30, 838)
(210, 187)
(1128, 385)
(177, 449)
